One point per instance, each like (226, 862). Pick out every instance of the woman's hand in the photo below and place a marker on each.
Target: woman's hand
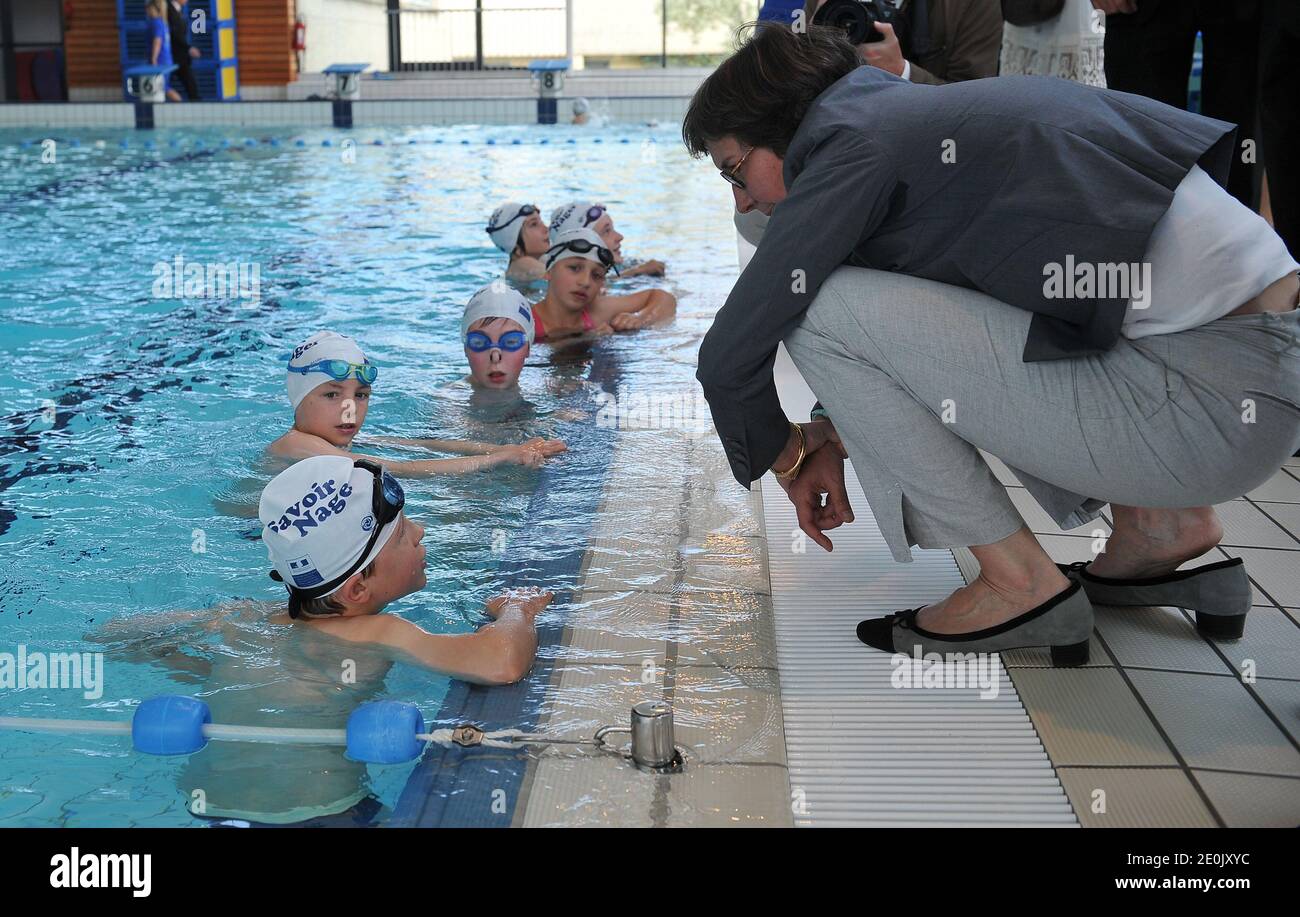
(822, 473)
(816, 433)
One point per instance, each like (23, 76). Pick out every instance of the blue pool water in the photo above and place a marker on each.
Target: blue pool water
(133, 423)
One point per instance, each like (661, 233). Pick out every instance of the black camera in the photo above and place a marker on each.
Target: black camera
(857, 18)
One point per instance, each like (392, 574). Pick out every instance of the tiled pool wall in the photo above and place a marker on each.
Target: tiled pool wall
(364, 113)
(505, 97)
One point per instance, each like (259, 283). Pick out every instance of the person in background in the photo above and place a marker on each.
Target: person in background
(178, 24)
(581, 111)
(1279, 116)
(945, 41)
(518, 230)
(583, 215)
(1065, 38)
(1149, 46)
(160, 41)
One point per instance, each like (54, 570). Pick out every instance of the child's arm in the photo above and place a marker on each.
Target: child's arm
(463, 447)
(296, 445)
(637, 310)
(652, 267)
(499, 654)
(467, 447)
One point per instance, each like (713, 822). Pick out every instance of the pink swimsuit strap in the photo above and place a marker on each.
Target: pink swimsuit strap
(539, 330)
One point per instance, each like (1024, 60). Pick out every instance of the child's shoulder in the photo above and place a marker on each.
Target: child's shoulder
(296, 445)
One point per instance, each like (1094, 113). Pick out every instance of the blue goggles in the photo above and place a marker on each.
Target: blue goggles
(477, 341)
(339, 370)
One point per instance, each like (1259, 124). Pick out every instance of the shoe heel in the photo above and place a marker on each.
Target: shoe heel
(1071, 654)
(1221, 627)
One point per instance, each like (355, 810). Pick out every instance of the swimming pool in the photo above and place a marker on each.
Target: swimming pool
(133, 421)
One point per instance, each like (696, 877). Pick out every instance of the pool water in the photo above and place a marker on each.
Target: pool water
(133, 423)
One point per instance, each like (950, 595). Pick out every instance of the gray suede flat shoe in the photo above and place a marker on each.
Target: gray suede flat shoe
(1063, 622)
(1219, 593)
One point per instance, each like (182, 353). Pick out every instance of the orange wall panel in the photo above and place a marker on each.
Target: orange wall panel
(263, 35)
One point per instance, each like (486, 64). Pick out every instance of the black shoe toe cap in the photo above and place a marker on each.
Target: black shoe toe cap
(878, 633)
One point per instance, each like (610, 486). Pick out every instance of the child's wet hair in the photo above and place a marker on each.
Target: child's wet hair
(326, 606)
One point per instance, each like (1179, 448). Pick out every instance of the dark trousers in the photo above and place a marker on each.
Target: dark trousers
(1150, 53)
(1279, 116)
(185, 76)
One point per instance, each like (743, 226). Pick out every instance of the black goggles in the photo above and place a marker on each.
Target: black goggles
(525, 211)
(386, 501)
(582, 247)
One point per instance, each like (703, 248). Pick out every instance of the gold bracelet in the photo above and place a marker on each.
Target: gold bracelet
(793, 470)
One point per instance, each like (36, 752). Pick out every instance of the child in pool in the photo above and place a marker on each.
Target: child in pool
(497, 332)
(329, 381)
(575, 302)
(342, 559)
(519, 231)
(586, 215)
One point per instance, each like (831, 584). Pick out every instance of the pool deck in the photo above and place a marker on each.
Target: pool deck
(787, 720)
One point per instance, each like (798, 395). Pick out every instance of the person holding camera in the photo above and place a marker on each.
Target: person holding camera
(925, 41)
(1049, 272)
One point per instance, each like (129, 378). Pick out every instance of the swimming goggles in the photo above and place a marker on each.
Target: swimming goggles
(581, 247)
(340, 370)
(526, 210)
(477, 341)
(386, 500)
(594, 213)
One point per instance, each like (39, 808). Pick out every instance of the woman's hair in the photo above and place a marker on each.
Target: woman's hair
(761, 93)
(157, 7)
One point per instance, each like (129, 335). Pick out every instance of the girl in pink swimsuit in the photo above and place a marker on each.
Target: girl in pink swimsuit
(575, 303)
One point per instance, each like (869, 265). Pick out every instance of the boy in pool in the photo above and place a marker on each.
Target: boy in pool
(586, 215)
(497, 331)
(519, 231)
(337, 537)
(343, 557)
(329, 381)
(575, 302)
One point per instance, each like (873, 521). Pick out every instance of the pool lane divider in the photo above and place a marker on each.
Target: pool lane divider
(480, 787)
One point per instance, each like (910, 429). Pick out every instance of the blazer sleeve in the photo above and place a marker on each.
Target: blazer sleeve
(839, 197)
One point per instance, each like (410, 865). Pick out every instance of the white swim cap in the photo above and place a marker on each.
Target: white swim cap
(498, 300)
(580, 243)
(323, 345)
(318, 517)
(507, 222)
(577, 215)
(581, 106)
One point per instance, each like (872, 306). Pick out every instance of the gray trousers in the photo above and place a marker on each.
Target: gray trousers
(916, 375)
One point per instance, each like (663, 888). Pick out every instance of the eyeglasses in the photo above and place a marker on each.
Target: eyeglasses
(526, 210)
(730, 174)
(386, 501)
(340, 370)
(477, 341)
(581, 247)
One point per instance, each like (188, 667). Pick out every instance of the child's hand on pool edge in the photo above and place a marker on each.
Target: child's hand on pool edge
(529, 601)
